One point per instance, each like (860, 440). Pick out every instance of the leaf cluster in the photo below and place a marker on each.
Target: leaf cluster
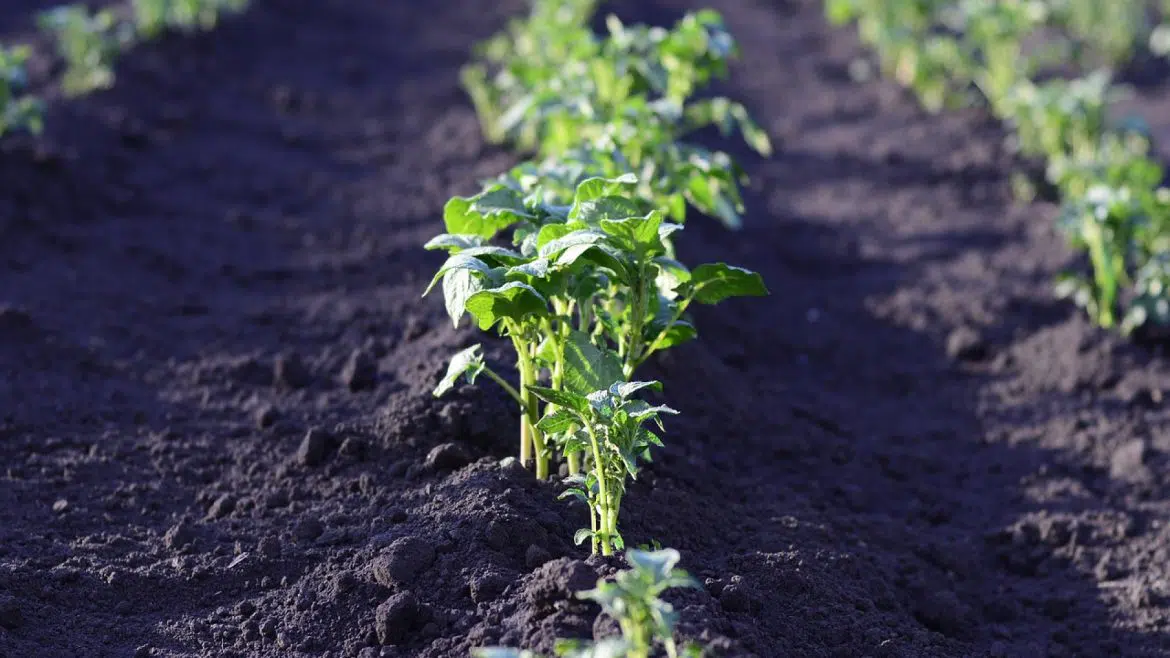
(634, 599)
(90, 41)
(1010, 57)
(586, 291)
(19, 110)
(618, 103)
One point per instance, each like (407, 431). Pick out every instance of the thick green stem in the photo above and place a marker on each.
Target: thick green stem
(531, 438)
(638, 311)
(594, 527)
(1103, 273)
(602, 494)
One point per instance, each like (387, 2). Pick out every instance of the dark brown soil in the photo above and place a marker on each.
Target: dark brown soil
(909, 449)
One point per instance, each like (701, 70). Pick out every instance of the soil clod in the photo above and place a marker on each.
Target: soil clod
(360, 372)
(314, 447)
(290, 372)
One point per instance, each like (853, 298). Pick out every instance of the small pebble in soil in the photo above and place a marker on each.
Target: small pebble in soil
(289, 371)
(1144, 397)
(1128, 462)
(223, 506)
(60, 506)
(396, 616)
(447, 457)
(487, 587)
(353, 448)
(314, 447)
(360, 372)
(179, 535)
(269, 547)
(266, 416)
(402, 561)
(966, 344)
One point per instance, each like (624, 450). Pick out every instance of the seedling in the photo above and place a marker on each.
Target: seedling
(1113, 206)
(89, 42)
(633, 599)
(18, 109)
(152, 17)
(589, 293)
(608, 426)
(618, 104)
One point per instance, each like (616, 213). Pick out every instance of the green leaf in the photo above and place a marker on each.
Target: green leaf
(624, 390)
(680, 332)
(576, 238)
(453, 243)
(657, 564)
(459, 262)
(637, 232)
(582, 535)
(574, 493)
(468, 362)
(533, 269)
(566, 399)
(558, 421)
(512, 301)
(714, 282)
(458, 286)
(639, 409)
(595, 188)
(587, 368)
(608, 207)
(485, 214)
(496, 256)
(550, 232)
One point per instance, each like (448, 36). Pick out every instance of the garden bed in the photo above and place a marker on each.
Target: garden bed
(910, 448)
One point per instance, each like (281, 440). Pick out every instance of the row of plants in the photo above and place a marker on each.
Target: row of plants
(570, 257)
(1046, 68)
(89, 42)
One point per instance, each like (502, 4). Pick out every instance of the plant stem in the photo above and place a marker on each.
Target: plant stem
(503, 384)
(602, 493)
(522, 396)
(531, 438)
(638, 304)
(653, 347)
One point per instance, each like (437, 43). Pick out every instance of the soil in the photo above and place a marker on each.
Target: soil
(909, 449)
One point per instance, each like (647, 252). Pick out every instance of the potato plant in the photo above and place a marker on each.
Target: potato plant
(586, 293)
(608, 426)
(90, 41)
(618, 104)
(1004, 54)
(634, 599)
(19, 110)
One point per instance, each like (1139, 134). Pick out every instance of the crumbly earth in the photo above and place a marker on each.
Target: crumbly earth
(217, 437)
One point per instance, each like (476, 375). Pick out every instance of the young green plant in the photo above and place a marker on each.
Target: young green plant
(618, 104)
(608, 426)
(634, 599)
(18, 109)
(589, 293)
